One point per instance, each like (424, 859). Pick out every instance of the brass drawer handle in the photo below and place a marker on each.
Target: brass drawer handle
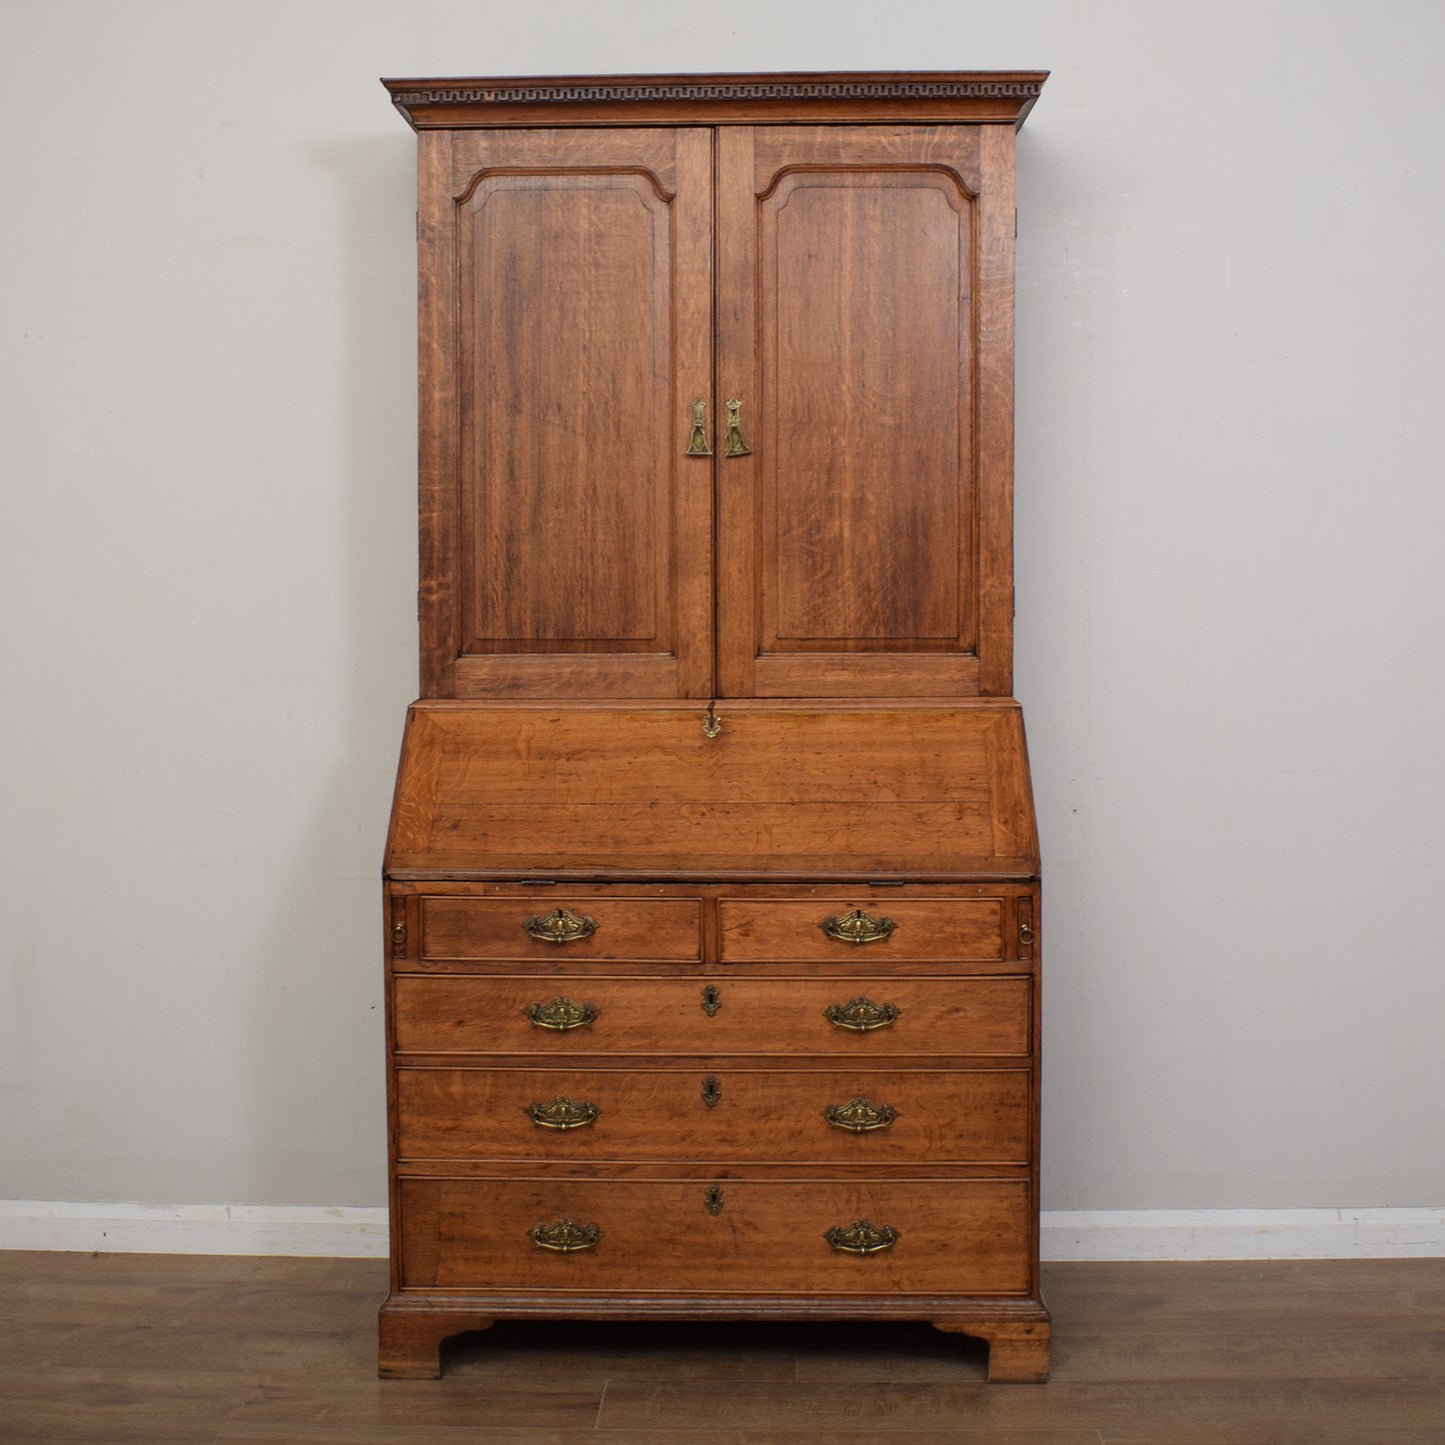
(858, 1116)
(561, 1113)
(561, 1014)
(862, 1015)
(559, 926)
(564, 1237)
(858, 927)
(735, 446)
(697, 445)
(862, 1237)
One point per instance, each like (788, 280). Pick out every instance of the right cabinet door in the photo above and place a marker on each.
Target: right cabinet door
(864, 314)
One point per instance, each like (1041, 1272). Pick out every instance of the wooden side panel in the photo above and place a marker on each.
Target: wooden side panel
(578, 269)
(851, 555)
(960, 1017)
(767, 1238)
(971, 1116)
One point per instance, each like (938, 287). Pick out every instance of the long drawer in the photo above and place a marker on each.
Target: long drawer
(848, 1017)
(736, 1236)
(852, 1117)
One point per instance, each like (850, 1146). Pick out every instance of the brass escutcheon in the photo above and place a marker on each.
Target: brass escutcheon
(560, 926)
(862, 1237)
(858, 927)
(564, 1237)
(711, 723)
(858, 1116)
(561, 1014)
(712, 1199)
(862, 1015)
(711, 1003)
(711, 1091)
(562, 1113)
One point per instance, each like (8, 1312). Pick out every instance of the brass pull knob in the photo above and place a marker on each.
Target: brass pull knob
(711, 1091)
(561, 1113)
(862, 1237)
(559, 926)
(862, 1015)
(858, 927)
(711, 1003)
(564, 1237)
(858, 1116)
(734, 445)
(561, 1014)
(697, 446)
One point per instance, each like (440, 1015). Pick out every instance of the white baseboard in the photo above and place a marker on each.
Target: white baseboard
(1065, 1234)
(1241, 1233)
(193, 1228)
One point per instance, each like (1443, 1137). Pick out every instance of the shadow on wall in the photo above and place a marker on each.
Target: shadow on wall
(318, 1116)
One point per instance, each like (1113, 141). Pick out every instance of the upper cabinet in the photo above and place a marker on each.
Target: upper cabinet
(718, 409)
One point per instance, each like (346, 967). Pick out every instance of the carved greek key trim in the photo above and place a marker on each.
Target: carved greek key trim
(723, 90)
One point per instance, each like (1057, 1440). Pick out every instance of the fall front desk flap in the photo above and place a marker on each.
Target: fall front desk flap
(752, 790)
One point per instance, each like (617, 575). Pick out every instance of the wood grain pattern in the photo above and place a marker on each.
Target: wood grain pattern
(972, 1116)
(853, 551)
(203, 1350)
(626, 928)
(780, 792)
(471, 1234)
(578, 537)
(946, 1015)
(766, 929)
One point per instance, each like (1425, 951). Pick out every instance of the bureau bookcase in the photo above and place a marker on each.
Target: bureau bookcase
(712, 880)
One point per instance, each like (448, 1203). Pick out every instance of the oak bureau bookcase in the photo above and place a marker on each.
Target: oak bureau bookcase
(712, 880)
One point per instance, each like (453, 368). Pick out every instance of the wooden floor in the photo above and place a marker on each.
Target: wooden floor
(155, 1348)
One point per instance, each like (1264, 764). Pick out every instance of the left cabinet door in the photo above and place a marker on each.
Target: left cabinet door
(566, 332)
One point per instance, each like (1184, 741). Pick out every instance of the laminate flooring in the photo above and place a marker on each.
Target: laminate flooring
(121, 1348)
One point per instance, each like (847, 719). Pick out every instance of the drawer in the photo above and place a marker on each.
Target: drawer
(968, 1116)
(914, 1015)
(767, 1237)
(775, 930)
(616, 928)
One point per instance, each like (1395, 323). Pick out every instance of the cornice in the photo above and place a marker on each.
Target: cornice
(470, 100)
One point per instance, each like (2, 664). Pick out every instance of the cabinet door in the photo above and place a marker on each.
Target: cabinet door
(865, 303)
(566, 330)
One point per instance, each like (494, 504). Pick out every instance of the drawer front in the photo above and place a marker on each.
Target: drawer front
(620, 928)
(773, 931)
(855, 1117)
(915, 1015)
(755, 1237)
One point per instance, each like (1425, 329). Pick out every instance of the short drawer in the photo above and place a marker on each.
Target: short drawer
(736, 1237)
(856, 1116)
(775, 930)
(577, 926)
(847, 1017)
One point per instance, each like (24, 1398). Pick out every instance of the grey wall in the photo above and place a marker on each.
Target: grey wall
(1230, 584)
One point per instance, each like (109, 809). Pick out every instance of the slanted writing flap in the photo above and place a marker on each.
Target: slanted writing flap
(782, 792)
